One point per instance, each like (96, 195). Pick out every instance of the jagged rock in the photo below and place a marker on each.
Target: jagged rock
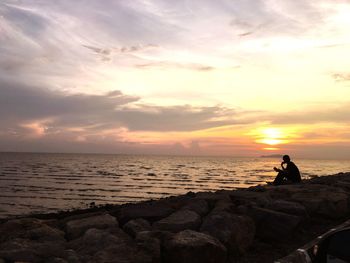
(104, 245)
(27, 250)
(29, 228)
(136, 225)
(324, 201)
(273, 225)
(234, 231)
(76, 228)
(224, 205)
(287, 207)
(247, 197)
(150, 243)
(56, 260)
(148, 211)
(71, 256)
(199, 206)
(178, 221)
(212, 198)
(30, 239)
(191, 246)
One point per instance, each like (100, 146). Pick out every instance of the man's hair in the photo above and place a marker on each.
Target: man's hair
(286, 157)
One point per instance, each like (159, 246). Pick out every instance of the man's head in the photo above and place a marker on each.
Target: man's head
(286, 158)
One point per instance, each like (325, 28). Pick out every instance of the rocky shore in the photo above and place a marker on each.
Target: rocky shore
(257, 224)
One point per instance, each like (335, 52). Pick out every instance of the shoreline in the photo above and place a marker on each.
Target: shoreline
(256, 224)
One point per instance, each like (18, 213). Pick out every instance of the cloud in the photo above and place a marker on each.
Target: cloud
(34, 106)
(327, 114)
(341, 76)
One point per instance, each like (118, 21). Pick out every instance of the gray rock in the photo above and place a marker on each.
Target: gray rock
(31, 240)
(76, 228)
(324, 201)
(149, 211)
(273, 225)
(287, 207)
(178, 221)
(31, 251)
(105, 245)
(236, 232)
(136, 225)
(191, 246)
(150, 242)
(199, 206)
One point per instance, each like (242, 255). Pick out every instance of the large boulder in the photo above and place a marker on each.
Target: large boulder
(30, 240)
(193, 247)
(76, 228)
(323, 201)
(273, 225)
(149, 211)
(105, 245)
(150, 243)
(287, 207)
(135, 226)
(178, 221)
(199, 206)
(236, 232)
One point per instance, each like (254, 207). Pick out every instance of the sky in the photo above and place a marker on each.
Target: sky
(193, 77)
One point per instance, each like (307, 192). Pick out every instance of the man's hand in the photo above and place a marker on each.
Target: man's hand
(276, 169)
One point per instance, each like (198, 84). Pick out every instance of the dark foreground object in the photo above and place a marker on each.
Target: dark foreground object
(258, 224)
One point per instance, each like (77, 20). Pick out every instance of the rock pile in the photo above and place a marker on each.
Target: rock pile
(203, 227)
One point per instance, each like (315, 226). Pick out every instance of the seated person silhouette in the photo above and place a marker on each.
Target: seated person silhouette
(288, 174)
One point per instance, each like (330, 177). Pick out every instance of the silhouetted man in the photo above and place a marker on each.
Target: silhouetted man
(288, 174)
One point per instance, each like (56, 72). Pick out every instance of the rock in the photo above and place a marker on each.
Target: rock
(224, 205)
(273, 225)
(212, 198)
(324, 201)
(30, 251)
(56, 260)
(191, 246)
(71, 256)
(287, 207)
(199, 206)
(104, 245)
(178, 221)
(246, 197)
(136, 225)
(150, 243)
(148, 211)
(76, 228)
(234, 231)
(30, 240)
(29, 228)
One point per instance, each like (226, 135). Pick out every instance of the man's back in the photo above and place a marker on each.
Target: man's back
(293, 173)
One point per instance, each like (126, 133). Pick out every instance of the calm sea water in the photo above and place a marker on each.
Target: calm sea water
(41, 183)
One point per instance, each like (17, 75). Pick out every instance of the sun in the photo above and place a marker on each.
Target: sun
(271, 137)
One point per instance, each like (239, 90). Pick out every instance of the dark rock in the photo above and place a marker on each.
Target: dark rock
(31, 240)
(234, 231)
(29, 228)
(246, 197)
(148, 211)
(193, 247)
(288, 207)
(178, 221)
(150, 243)
(224, 205)
(273, 225)
(199, 206)
(20, 249)
(136, 225)
(76, 228)
(105, 245)
(324, 201)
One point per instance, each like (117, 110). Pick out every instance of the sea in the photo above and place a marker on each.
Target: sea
(32, 183)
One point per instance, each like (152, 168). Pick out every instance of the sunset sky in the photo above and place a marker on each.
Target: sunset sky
(228, 77)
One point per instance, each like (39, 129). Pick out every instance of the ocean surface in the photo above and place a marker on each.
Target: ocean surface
(42, 183)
